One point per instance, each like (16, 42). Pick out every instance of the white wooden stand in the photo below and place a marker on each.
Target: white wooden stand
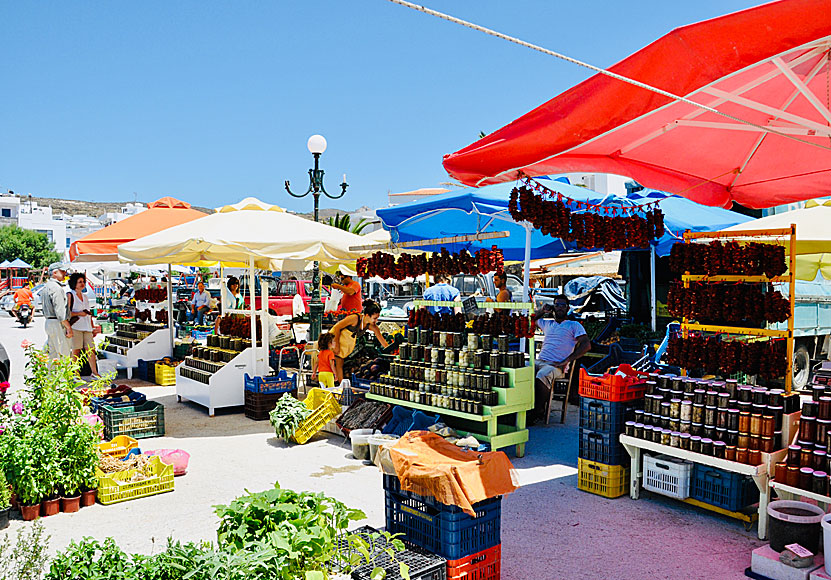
(226, 387)
(154, 347)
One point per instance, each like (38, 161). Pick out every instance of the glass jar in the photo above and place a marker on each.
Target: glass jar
(710, 415)
(744, 422)
(793, 454)
(707, 446)
(695, 444)
(755, 424)
(820, 482)
(807, 428)
(666, 437)
(685, 426)
(806, 478)
(741, 455)
(686, 410)
(684, 441)
(675, 408)
(730, 453)
(719, 449)
(675, 439)
(698, 413)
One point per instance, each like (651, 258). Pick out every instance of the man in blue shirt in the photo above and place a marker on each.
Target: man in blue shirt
(442, 292)
(565, 341)
(199, 304)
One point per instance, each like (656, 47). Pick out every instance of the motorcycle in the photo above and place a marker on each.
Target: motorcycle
(24, 315)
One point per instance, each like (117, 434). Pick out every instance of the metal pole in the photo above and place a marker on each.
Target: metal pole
(252, 299)
(315, 306)
(653, 299)
(526, 274)
(792, 300)
(170, 324)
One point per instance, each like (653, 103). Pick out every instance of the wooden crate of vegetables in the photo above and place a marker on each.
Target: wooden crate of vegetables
(363, 414)
(138, 476)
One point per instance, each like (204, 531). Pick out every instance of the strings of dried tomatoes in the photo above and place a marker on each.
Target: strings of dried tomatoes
(743, 303)
(438, 264)
(587, 229)
(767, 359)
(729, 258)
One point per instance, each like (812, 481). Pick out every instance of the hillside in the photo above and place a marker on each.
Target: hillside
(97, 208)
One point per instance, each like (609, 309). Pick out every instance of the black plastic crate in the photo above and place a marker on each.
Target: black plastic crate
(606, 416)
(258, 406)
(145, 370)
(422, 564)
(602, 447)
(724, 489)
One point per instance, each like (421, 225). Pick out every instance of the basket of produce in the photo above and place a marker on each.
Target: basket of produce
(137, 476)
(287, 416)
(113, 390)
(363, 414)
(123, 399)
(323, 406)
(369, 372)
(165, 372)
(139, 421)
(119, 447)
(288, 356)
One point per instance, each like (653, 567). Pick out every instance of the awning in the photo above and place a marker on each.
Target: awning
(103, 245)
(766, 67)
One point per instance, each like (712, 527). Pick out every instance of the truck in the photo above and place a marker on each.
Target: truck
(281, 294)
(479, 285)
(812, 327)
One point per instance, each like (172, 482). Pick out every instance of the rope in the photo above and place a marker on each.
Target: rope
(599, 70)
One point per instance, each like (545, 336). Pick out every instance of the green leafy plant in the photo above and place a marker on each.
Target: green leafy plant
(31, 246)
(78, 457)
(287, 416)
(27, 557)
(5, 492)
(344, 222)
(33, 464)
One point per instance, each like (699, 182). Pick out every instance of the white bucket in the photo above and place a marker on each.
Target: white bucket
(360, 443)
(826, 541)
(375, 442)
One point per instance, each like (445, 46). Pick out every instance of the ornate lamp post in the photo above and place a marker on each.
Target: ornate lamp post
(317, 145)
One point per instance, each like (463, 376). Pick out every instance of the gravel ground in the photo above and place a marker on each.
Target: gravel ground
(549, 528)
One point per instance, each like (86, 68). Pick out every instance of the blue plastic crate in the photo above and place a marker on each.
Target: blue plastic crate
(450, 534)
(724, 489)
(601, 447)
(422, 421)
(133, 398)
(359, 382)
(351, 394)
(270, 385)
(290, 357)
(402, 418)
(201, 334)
(606, 416)
(145, 370)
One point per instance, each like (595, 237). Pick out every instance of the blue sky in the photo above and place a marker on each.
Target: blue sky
(213, 101)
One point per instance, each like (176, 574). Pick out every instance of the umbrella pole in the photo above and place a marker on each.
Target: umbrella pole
(526, 269)
(653, 300)
(252, 296)
(170, 323)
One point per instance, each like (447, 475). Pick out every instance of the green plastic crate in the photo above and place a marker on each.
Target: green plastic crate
(138, 421)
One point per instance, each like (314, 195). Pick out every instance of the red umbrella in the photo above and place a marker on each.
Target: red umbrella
(767, 69)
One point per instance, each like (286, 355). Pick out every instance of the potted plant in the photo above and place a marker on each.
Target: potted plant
(78, 457)
(5, 501)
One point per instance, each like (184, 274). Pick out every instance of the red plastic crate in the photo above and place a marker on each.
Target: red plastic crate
(612, 386)
(484, 565)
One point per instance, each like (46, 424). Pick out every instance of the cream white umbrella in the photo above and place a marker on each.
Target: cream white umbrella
(813, 236)
(234, 235)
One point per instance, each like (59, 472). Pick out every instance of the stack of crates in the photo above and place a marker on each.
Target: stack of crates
(605, 406)
(471, 546)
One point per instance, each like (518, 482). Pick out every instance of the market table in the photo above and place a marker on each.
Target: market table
(759, 473)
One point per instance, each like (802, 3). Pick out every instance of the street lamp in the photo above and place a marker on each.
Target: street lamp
(316, 145)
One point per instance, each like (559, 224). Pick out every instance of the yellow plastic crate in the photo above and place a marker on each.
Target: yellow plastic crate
(600, 479)
(117, 487)
(165, 375)
(119, 447)
(324, 408)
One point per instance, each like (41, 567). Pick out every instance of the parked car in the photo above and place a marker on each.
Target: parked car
(281, 294)
(478, 285)
(7, 302)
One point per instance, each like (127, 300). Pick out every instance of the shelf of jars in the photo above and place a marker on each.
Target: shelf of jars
(213, 376)
(132, 341)
(470, 378)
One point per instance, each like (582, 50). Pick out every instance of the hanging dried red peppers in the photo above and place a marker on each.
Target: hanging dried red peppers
(494, 323)
(439, 263)
(587, 229)
(730, 258)
(743, 303)
(768, 359)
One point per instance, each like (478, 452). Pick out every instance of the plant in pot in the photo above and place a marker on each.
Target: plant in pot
(5, 501)
(78, 456)
(34, 467)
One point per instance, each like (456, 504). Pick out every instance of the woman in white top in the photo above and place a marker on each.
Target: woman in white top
(80, 318)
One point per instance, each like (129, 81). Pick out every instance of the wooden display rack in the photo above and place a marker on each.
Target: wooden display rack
(790, 278)
(516, 399)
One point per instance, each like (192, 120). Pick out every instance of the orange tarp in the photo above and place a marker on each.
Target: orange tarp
(428, 465)
(159, 215)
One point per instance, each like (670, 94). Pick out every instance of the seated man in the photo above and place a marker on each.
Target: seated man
(565, 341)
(199, 304)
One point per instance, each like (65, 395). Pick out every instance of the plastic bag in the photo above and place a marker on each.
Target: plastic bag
(178, 458)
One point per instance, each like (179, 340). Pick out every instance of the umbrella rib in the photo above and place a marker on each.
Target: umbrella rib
(596, 69)
(802, 88)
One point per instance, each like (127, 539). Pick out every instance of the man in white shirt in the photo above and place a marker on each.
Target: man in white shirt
(200, 304)
(56, 313)
(564, 343)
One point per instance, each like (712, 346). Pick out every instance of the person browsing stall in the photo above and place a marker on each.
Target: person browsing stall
(324, 372)
(56, 313)
(199, 304)
(443, 291)
(351, 288)
(351, 334)
(500, 281)
(564, 343)
(81, 321)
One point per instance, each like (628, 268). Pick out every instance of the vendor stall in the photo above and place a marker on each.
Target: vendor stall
(253, 234)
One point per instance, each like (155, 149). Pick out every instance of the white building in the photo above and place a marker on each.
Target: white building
(128, 210)
(32, 216)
